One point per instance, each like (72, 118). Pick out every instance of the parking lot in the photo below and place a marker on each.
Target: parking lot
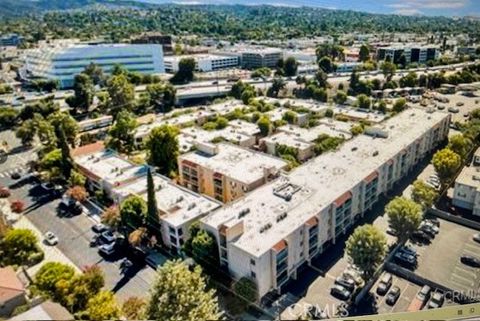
(440, 260)
(408, 290)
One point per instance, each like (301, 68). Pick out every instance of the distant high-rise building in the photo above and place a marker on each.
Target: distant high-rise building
(64, 62)
(413, 54)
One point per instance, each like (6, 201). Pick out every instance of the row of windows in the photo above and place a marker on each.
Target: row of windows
(68, 73)
(102, 57)
(103, 64)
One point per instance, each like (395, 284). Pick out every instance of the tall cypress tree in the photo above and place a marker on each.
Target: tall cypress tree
(67, 161)
(152, 214)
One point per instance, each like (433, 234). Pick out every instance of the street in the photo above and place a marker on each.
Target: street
(74, 233)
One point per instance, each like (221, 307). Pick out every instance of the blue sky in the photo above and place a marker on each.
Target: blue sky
(407, 7)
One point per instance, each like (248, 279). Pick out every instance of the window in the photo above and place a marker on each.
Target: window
(180, 231)
(254, 276)
(252, 261)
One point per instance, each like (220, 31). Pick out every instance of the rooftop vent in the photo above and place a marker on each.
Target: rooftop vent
(265, 227)
(375, 153)
(243, 212)
(281, 217)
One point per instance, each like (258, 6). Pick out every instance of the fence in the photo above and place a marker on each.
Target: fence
(453, 218)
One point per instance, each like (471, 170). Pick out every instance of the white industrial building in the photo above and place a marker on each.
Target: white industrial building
(268, 234)
(64, 62)
(203, 62)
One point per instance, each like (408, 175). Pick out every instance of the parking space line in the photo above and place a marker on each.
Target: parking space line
(472, 246)
(463, 278)
(470, 252)
(469, 272)
(459, 285)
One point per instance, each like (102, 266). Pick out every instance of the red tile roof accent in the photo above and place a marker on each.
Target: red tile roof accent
(371, 177)
(279, 246)
(342, 199)
(189, 163)
(88, 149)
(312, 221)
(390, 162)
(223, 230)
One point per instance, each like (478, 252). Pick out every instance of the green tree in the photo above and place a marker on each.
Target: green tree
(68, 123)
(404, 217)
(76, 179)
(399, 105)
(340, 97)
(51, 164)
(185, 73)
(111, 217)
(162, 95)
(162, 148)
(103, 306)
(95, 72)
(388, 70)
(290, 67)
(121, 93)
(264, 125)
(410, 80)
(290, 116)
(363, 101)
(187, 299)
(247, 291)
(26, 132)
(121, 133)
(460, 144)
(247, 96)
(446, 163)
(278, 84)
(423, 194)
(8, 117)
(326, 65)
(367, 247)
(152, 209)
(133, 212)
(18, 247)
(84, 92)
(48, 277)
(205, 249)
(67, 161)
(364, 54)
(356, 130)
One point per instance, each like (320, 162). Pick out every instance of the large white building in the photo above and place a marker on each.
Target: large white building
(64, 62)
(466, 193)
(268, 234)
(203, 62)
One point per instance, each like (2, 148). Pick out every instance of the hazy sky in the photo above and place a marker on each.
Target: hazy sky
(408, 7)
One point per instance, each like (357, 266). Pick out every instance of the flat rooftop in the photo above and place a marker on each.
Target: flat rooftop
(245, 127)
(199, 135)
(312, 133)
(370, 116)
(109, 166)
(198, 57)
(178, 205)
(287, 139)
(470, 176)
(318, 183)
(238, 163)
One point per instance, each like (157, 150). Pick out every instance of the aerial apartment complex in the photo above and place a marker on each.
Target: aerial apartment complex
(178, 207)
(267, 235)
(64, 62)
(226, 171)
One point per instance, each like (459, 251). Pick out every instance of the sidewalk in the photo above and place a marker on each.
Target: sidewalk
(52, 253)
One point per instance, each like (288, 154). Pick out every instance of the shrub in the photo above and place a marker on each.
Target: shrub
(17, 206)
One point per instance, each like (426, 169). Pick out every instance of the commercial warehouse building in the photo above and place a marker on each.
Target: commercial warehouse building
(466, 193)
(64, 62)
(267, 235)
(412, 53)
(225, 171)
(204, 63)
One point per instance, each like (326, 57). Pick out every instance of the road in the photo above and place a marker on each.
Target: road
(74, 233)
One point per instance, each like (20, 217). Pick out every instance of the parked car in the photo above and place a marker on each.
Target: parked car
(427, 230)
(436, 301)
(391, 232)
(393, 295)
(460, 103)
(99, 228)
(315, 313)
(107, 249)
(476, 237)
(421, 236)
(51, 238)
(108, 237)
(408, 250)
(405, 258)
(346, 282)
(340, 292)
(424, 293)
(16, 175)
(453, 110)
(429, 226)
(470, 260)
(433, 221)
(385, 284)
